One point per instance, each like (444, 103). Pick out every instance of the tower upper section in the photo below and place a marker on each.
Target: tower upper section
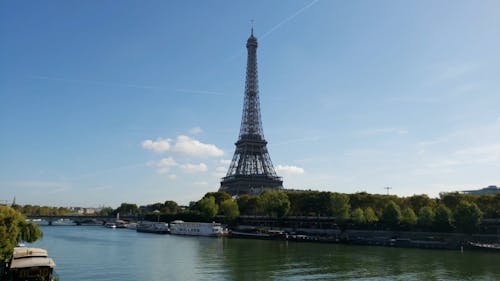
(251, 124)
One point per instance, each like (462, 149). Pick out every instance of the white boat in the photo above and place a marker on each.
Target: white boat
(31, 264)
(179, 227)
(152, 227)
(110, 225)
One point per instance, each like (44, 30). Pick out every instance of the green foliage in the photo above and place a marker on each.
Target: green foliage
(35, 210)
(370, 215)
(392, 214)
(442, 218)
(208, 207)
(248, 205)
(408, 217)
(339, 204)
(451, 199)
(170, 207)
(467, 217)
(219, 196)
(275, 203)
(229, 208)
(426, 217)
(14, 229)
(416, 202)
(358, 216)
(127, 209)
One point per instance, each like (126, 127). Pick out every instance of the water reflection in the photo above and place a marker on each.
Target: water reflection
(95, 253)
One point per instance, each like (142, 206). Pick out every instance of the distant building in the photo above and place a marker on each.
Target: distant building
(492, 189)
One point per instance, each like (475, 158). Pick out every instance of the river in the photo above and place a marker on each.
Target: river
(84, 253)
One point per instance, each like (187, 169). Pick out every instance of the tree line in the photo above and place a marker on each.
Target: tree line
(448, 212)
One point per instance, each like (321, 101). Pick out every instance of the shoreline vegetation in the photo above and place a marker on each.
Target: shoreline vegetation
(452, 221)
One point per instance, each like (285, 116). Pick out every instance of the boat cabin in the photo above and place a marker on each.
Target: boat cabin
(31, 264)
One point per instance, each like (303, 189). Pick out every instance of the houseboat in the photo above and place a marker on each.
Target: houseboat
(31, 264)
(179, 227)
(152, 227)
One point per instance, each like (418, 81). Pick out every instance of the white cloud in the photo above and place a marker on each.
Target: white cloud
(227, 161)
(194, 168)
(221, 169)
(195, 131)
(172, 177)
(201, 183)
(192, 147)
(158, 146)
(163, 165)
(289, 170)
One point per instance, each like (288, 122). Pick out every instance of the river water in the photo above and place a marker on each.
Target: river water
(96, 253)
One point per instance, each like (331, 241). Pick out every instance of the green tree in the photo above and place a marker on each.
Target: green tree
(370, 215)
(442, 218)
(208, 207)
(426, 217)
(229, 208)
(248, 205)
(275, 203)
(408, 217)
(127, 209)
(416, 202)
(392, 214)
(358, 216)
(14, 229)
(339, 204)
(170, 207)
(467, 217)
(451, 199)
(220, 196)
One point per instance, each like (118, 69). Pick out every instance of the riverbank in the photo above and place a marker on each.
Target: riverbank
(400, 239)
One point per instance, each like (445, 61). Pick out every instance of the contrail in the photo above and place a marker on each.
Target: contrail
(300, 11)
(274, 28)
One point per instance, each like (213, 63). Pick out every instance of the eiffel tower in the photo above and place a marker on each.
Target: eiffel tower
(251, 170)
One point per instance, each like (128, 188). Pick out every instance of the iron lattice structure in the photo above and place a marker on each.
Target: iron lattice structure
(251, 170)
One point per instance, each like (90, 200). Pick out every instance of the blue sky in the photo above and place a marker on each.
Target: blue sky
(103, 102)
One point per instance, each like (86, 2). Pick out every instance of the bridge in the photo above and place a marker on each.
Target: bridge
(81, 219)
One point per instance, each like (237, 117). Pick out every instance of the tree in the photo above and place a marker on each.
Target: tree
(370, 215)
(408, 217)
(127, 209)
(14, 229)
(275, 203)
(170, 207)
(451, 199)
(208, 207)
(467, 216)
(229, 208)
(248, 204)
(220, 196)
(417, 202)
(358, 216)
(442, 218)
(339, 204)
(426, 217)
(392, 214)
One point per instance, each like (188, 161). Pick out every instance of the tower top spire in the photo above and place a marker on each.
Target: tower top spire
(251, 23)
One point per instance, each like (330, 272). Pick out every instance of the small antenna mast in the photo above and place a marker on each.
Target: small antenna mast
(387, 187)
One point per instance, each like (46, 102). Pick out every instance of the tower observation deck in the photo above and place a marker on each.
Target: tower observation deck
(251, 170)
